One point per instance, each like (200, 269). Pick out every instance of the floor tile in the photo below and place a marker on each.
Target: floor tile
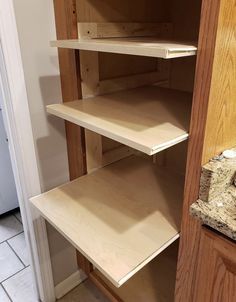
(20, 287)
(3, 295)
(9, 226)
(19, 246)
(85, 292)
(18, 216)
(9, 263)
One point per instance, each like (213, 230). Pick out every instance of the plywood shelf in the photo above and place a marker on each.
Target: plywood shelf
(120, 217)
(141, 46)
(149, 119)
(153, 283)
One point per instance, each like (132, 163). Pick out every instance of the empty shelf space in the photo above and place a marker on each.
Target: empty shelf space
(141, 46)
(153, 283)
(119, 217)
(148, 119)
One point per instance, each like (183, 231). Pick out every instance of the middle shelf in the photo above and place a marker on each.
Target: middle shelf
(120, 217)
(148, 119)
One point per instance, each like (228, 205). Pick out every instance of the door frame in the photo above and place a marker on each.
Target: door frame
(22, 151)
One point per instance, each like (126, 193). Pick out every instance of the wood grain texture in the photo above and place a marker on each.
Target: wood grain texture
(66, 28)
(122, 11)
(147, 119)
(154, 283)
(149, 47)
(221, 121)
(216, 273)
(114, 30)
(185, 28)
(190, 230)
(126, 65)
(119, 231)
(104, 288)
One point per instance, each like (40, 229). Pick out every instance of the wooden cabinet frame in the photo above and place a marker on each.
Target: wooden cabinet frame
(214, 52)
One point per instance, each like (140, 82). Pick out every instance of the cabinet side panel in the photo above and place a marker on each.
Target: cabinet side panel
(221, 119)
(185, 17)
(190, 229)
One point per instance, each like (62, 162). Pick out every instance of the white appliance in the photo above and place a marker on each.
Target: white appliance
(8, 195)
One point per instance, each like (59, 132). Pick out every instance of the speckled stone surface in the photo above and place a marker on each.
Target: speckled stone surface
(216, 177)
(216, 206)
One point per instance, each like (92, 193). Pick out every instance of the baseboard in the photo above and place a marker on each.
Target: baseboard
(68, 284)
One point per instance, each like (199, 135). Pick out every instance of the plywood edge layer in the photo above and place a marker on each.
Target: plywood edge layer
(171, 143)
(147, 260)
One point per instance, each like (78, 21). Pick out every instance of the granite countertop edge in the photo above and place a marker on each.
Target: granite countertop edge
(216, 206)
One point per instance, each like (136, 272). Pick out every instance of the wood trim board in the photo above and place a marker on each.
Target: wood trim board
(119, 231)
(148, 119)
(141, 46)
(116, 29)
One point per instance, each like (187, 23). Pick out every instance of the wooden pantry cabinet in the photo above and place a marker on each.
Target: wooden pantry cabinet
(149, 93)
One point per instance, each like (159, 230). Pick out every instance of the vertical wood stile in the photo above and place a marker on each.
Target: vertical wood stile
(66, 28)
(190, 229)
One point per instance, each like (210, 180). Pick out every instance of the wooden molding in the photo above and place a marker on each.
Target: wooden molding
(17, 120)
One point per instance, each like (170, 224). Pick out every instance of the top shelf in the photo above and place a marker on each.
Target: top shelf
(139, 46)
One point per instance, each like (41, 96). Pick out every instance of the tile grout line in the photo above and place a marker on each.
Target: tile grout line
(6, 292)
(11, 237)
(13, 275)
(15, 253)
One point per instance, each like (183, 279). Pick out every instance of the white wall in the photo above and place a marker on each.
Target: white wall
(35, 22)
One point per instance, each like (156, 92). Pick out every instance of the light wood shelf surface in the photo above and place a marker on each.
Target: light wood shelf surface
(141, 46)
(120, 217)
(153, 283)
(148, 119)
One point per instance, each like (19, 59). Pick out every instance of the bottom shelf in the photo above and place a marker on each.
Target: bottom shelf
(120, 217)
(154, 283)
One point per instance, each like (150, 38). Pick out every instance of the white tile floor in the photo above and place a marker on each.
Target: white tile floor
(15, 274)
